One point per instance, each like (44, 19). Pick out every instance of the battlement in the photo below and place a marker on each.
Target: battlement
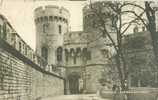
(75, 37)
(50, 7)
(52, 23)
(51, 13)
(90, 19)
(50, 19)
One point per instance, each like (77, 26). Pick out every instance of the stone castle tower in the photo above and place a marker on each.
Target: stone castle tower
(86, 56)
(51, 24)
(82, 58)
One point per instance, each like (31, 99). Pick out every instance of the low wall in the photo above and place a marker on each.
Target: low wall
(134, 94)
(21, 79)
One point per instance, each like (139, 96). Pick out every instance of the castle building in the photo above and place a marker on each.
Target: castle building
(51, 24)
(80, 52)
(138, 50)
(83, 55)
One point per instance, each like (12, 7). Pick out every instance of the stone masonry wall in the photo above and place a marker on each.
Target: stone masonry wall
(22, 81)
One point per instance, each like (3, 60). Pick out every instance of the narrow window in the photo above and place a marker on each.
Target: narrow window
(51, 18)
(75, 60)
(66, 55)
(60, 31)
(60, 19)
(84, 53)
(59, 54)
(26, 50)
(4, 30)
(23, 47)
(41, 18)
(45, 53)
(55, 17)
(89, 55)
(45, 18)
(20, 46)
(45, 28)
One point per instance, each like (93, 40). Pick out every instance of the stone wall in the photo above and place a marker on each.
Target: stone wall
(21, 79)
(93, 74)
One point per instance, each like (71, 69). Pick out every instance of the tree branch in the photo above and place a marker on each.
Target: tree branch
(130, 23)
(104, 28)
(132, 4)
(138, 17)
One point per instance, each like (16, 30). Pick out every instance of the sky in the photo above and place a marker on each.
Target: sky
(20, 14)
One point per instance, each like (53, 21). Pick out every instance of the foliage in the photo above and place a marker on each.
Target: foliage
(111, 14)
(136, 43)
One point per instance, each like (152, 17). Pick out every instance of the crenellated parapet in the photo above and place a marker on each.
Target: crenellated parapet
(52, 22)
(77, 56)
(91, 19)
(76, 51)
(76, 37)
(51, 13)
(51, 19)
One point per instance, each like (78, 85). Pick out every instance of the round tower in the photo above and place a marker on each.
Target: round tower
(95, 67)
(91, 21)
(51, 24)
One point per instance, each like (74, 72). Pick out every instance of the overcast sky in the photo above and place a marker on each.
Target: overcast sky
(21, 15)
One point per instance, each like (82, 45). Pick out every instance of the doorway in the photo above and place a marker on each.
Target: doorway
(74, 83)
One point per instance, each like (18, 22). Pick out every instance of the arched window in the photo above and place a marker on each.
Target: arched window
(45, 28)
(55, 18)
(64, 20)
(60, 29)
(46, 18)
(38, 19)
(60, 19)
(41, 18)
(72, 52)
(50, 18)
(73, 55)
(44, 53)
(59, 53)
(66, 55)
(84, 53)
(20, 46)
(78, 51)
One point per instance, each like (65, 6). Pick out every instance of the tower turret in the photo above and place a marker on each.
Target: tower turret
(51, 24)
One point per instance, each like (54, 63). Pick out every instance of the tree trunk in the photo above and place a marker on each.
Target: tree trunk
(121, 72)
(150, 13)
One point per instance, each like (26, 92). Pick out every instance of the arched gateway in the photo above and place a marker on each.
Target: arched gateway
(74, 83)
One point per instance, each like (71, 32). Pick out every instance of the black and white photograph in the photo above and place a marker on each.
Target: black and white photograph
(78, 50)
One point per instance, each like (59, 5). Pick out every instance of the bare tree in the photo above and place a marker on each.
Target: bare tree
(151, 26)
(110, 14)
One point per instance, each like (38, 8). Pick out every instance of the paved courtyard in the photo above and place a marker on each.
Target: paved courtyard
(76, 97)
